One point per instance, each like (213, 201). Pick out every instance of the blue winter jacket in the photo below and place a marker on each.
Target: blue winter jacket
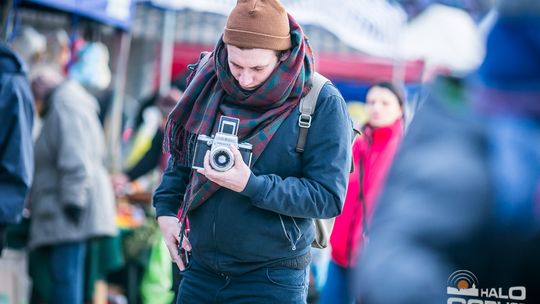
(16, 146)
(271, 221)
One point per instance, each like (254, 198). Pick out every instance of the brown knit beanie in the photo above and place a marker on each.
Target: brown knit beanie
(261, 24)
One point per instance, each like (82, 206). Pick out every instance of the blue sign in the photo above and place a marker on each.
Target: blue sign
(117, 13)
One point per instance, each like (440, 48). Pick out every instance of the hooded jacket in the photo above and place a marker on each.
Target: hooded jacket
(16, 151)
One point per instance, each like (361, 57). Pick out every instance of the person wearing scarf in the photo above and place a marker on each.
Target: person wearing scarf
(250, 228)
(459, 215)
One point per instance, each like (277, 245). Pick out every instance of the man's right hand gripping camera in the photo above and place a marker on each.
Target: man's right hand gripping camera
(221, 156)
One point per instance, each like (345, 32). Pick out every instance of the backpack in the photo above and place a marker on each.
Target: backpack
(323, 227)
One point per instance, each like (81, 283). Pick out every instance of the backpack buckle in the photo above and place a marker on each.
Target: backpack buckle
(304, 121)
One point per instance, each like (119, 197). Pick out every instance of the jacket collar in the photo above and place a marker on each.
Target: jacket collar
(384, 134)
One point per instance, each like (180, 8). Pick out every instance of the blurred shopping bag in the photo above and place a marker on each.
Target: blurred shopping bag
(157, 280)
(14, 282)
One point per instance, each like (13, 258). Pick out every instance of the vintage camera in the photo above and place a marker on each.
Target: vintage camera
(221, 156)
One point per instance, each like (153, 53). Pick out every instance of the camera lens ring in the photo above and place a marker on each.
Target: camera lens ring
(221, 159)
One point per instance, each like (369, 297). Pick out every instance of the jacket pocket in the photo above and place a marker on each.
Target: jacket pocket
(291, 230)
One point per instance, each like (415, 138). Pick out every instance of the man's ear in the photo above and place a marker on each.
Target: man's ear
(285, 55)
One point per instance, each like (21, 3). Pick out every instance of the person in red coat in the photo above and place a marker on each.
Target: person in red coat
(373, 153)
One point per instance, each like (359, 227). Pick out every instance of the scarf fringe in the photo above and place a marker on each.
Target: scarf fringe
(180, 144)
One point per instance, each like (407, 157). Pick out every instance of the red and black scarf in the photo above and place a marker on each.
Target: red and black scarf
(213, 92)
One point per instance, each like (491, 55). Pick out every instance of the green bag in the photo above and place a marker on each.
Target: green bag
(157, 279)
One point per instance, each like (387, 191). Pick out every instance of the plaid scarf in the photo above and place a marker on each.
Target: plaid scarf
(214, 92)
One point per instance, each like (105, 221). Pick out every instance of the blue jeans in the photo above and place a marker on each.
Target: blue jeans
(66, 263)
(265, 285)
(337, 289)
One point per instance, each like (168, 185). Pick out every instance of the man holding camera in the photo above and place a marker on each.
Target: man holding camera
(251, 226)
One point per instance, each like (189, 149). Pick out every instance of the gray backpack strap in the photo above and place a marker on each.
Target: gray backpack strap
(307, 108)
(203, 59)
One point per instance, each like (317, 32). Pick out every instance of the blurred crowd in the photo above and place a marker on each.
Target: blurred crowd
(75, 208)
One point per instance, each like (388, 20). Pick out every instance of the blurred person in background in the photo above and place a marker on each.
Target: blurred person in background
(16, 146)
(147, 135)
(89, 65)
(140, 131)
(154, 157)
(30, 45)
(72, 198)
(251, 229)
(143, 140)
(459, 215)
(373, 153)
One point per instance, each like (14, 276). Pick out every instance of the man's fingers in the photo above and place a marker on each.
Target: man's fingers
(177, 238)
(238, 160)
(173, 252)
(180, 265)
(175, 256)
(207, 161)
(170, 228)
(208, 171)
(186, 244)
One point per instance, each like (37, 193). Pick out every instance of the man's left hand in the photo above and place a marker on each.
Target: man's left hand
(235, 179)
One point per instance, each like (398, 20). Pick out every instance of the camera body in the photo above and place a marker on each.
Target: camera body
(221, 156)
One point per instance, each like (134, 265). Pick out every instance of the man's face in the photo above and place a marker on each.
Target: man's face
(251, 67)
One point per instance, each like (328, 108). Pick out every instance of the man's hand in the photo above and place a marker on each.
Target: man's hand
(120, 183)
(170, 228)
(73, 213)
(235, 179)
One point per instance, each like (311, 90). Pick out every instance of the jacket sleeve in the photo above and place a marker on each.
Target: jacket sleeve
(16, 147)
(150, 159)
(320, 191)
(71, 159)
(170, 192)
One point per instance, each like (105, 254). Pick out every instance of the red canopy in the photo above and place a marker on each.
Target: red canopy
(336, 66)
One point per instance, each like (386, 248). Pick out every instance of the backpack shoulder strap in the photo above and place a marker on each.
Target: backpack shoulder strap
(204, 58)
(307, 108)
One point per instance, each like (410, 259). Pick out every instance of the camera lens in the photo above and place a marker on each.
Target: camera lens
(221, 159)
